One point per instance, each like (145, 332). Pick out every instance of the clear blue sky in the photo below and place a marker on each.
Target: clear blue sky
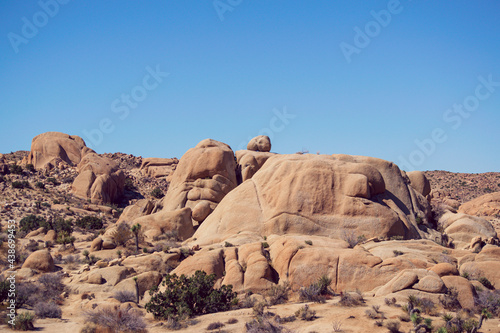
(234, 65)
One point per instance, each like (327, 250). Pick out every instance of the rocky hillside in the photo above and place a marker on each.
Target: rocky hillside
(464, 187)
(310, 242)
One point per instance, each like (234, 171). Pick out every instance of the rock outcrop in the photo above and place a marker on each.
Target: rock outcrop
(54, 149)
(485, 205)
(320, 195)
(260, 143)
(463, 228)
(40, 260)
(158, 167)
(249, 162)
(99, 179)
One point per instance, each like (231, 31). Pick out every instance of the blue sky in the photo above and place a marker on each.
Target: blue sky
(375, 78)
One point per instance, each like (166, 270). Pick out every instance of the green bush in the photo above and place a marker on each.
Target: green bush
(485, 282)
(21, 184)
(30, 167)
(157, 193)
(24, 322)
(89, 222)
(16, 169)
(32, 222)
(52, 180)
(40, 185)
(4, 290)
(189, 296)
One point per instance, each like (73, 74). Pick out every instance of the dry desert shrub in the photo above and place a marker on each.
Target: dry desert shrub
(122, 234)
(278, 294)
(125, 296)
(215, 325)
(351, 299)
(263, 324)
(117, 320)
(47, 310)
(393, 326)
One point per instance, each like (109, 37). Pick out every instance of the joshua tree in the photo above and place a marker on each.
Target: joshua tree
(135, 229)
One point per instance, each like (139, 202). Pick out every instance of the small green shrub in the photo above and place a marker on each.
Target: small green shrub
(157, 193)
(40, 185)
(30, 167)
(31, 222)
(188, 296)
(265, 245)
(304, 313)
(21, 184)
(485, 282)
(52, 180)
(89, 223)
(16, 169)
(24, 322)
(278, 294)
(397, 253)
(215, 325)
(308, 242)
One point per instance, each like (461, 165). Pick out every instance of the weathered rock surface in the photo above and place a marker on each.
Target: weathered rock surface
(419, 182)
(158, 167)
(249, 162)
(99, 179)
(463, 228)
(486, 205)
(162, 222)
(50, 149)
(319, 195)
(260, 143)
(40, 260)
(140, 208)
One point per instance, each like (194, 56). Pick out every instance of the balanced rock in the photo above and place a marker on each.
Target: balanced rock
(260, 143)
(49, 149)
(99, 179)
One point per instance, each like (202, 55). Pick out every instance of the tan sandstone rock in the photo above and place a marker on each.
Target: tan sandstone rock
(51, 148)
(40, 260)
(99, 179)
(319, 195)
(158, 167)
(485, 205)
(260, 143)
